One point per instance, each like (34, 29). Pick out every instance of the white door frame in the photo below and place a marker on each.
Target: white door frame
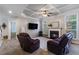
(10, 28)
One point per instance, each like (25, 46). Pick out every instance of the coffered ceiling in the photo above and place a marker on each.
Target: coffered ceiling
(34, 10)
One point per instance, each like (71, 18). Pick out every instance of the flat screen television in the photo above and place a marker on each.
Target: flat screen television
(32, 26)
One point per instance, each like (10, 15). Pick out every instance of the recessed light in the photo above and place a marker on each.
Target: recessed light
(10, 12)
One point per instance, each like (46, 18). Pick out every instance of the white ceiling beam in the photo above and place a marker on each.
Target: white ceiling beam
(65, 6)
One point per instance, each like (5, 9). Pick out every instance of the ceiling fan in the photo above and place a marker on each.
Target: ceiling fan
(46, 13)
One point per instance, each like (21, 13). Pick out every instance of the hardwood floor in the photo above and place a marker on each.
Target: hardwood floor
(75, 41)
(12, 47)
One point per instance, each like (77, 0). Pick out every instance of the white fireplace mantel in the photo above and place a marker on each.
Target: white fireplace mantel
(54, 30)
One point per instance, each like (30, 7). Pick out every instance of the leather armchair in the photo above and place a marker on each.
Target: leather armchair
(61, 45)
(28, 44)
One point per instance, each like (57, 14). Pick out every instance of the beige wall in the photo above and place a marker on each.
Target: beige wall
(51, 20)
(22, 26)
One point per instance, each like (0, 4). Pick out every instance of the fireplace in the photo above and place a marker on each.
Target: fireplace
(54, 33)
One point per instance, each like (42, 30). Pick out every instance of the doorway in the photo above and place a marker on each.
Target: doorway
(13, 30)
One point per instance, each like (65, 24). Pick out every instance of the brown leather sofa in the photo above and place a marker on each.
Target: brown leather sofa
(28, 44)
(60, 45)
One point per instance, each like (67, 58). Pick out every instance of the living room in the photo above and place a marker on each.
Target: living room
(43, 22)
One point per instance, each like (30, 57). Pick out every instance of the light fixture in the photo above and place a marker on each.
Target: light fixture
(45, 15)
(44, 12)
(10, 12)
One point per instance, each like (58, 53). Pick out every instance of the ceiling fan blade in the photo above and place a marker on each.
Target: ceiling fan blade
(50, 13)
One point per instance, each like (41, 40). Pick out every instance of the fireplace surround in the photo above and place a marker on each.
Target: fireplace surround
(54, 33)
